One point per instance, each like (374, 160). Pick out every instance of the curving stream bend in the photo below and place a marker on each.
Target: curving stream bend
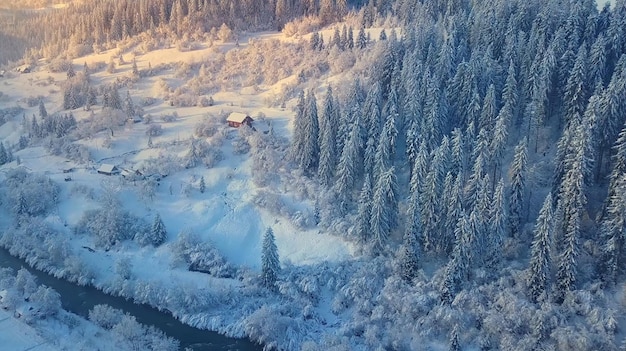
(80, 299)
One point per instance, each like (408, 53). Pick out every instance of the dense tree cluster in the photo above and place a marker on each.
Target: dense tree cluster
(441, 113)
(105, 22)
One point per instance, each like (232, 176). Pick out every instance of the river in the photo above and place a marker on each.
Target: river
(80, 299)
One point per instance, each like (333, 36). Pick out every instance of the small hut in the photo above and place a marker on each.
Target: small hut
(108, 169)
(236, 119)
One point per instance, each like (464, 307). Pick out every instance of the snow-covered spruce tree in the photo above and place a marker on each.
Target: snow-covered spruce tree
(70, 72)
(364, 212)
(457, 269)
(361, 39)
(618, 161)
(385, 152)
(431, 204)
(488, 113)
(539, 268)
(372, 121)
(517, 192)
(311, 150)
(129, 106)
(510, 92)
(348, 169)
(43, 113)
(408, 255)
(497, 225)
(384, 216)
(576, 89)
(158, 234)
(454, 339)
(305, 144)
(459, 153)
(202, 185)
(499, 141)
(473, 183)
(613, 226)
(328, 139)
(194, 156)
(297, 141)
(612, 109)
(4, 157)
(270, 264)
(572, 201)
(613, 230)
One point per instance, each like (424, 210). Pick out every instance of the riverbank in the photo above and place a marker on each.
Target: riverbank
(81, 299)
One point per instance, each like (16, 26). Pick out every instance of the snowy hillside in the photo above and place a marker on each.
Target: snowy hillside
(398, 175)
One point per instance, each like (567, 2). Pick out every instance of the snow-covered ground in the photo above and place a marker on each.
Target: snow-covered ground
(16, 335)
(224, 215)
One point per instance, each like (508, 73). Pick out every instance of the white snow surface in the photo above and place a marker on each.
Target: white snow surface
(224, 214)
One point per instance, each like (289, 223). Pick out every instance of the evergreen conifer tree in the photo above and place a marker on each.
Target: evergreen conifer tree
(408, 256)
(384, 217)
(539, 269)
(42, 109)
(328, 138)
(361, 39)
(517, 193)
(270, 264)
(4, 158)
(202, 185)
(158, 234)
(364, 212)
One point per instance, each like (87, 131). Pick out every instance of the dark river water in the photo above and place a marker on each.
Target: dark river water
(80, 299)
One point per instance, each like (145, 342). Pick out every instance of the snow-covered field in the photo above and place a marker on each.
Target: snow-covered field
(225, 215)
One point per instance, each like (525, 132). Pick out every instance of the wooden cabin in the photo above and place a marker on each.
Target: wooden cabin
(108, 169)
(236, 119)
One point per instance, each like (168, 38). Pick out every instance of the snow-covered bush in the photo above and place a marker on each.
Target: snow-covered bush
(111, 225)
(164, 164)
(46, 300)
(210, 125)
(169, 117)
(341, 61)
(240, 144)
(203, 152)
(59, 65)
(200, 256)
(128, 333)
(206, 101)
(302, 26)
(105, 316)
(184, 99)
(67, 148)
(30, 194)
(154, 130)
(124, 268)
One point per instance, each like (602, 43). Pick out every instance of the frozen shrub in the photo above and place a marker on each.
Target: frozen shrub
(47, 301)
(59, 65)
(30, 194)
(147, 101)
(110, 225)
(124, 268)
(206, 102)
(105, 316)
(33, 101)
(168, 118)
(154, 130)
(200, 256)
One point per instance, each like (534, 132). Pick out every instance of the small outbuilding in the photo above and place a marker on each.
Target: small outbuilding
(108, 169)
(236, 119)
(24, 69)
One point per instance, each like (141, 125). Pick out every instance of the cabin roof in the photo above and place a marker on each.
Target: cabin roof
(106, 168)
(237, 117)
